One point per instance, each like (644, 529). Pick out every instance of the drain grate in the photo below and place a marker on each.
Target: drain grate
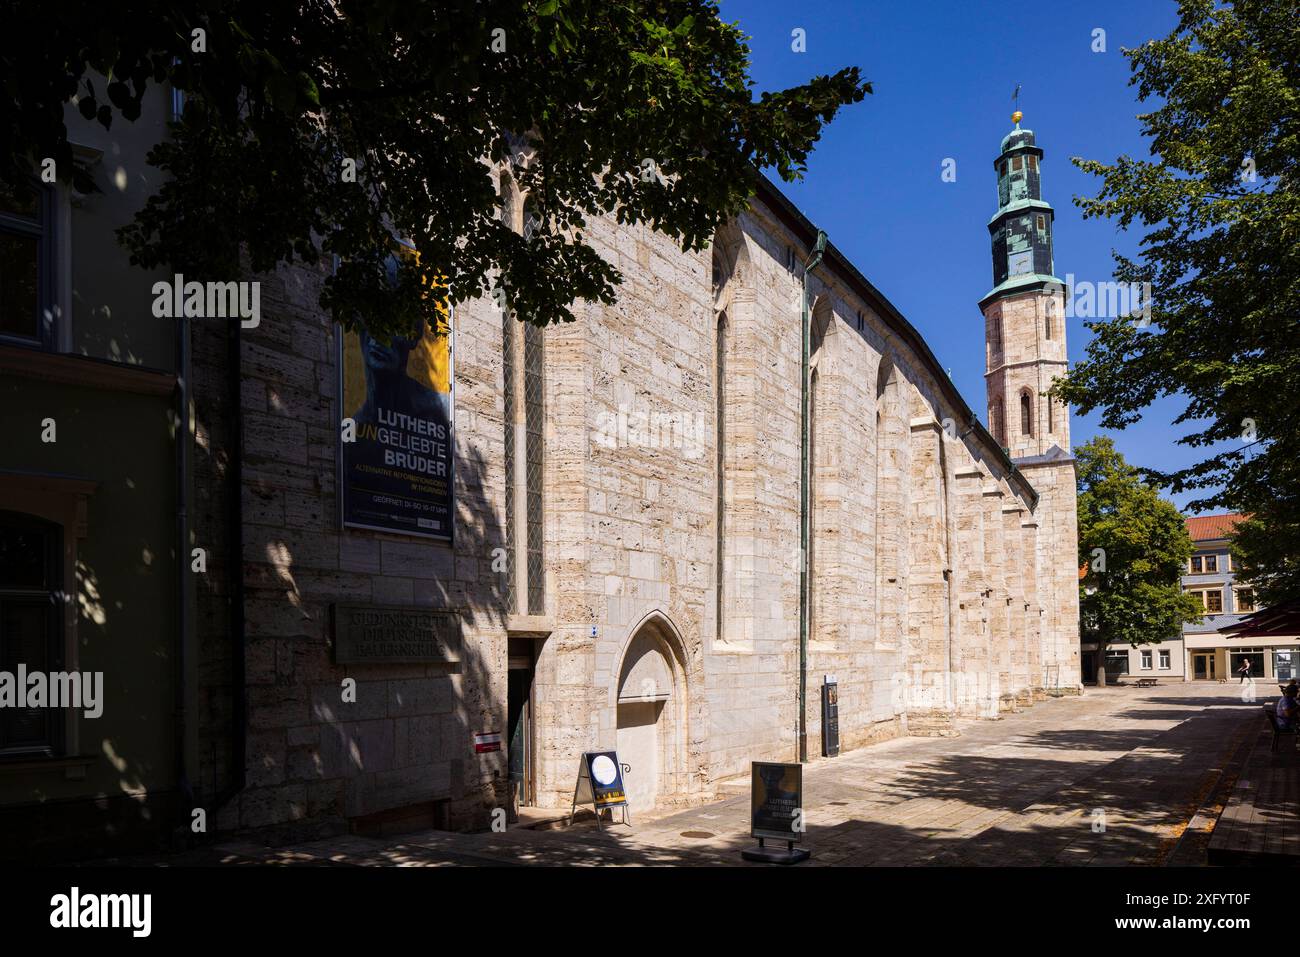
(697, 834)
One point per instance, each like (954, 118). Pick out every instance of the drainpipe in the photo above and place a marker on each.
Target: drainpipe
(180, 716)
(812, 262)
(235, 577)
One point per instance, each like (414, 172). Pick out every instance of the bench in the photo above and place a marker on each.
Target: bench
(1260, 823)
(1146, 682)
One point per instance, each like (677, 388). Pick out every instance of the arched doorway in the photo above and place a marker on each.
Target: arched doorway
(651, 716)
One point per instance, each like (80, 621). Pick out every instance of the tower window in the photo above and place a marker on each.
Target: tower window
(1042, 224)
(1017, 162)
(1026, 414)
(1033, 162)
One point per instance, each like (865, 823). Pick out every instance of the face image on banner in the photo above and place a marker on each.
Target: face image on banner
(396, 476)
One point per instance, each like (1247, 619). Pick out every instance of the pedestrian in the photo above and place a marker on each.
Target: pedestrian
(1244, 670)
(1286, 709)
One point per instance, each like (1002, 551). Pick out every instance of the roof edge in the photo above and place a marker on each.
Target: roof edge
(794, 219)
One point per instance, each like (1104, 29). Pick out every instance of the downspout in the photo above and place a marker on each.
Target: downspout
(180, 716)
(813, 261)
(235, 574)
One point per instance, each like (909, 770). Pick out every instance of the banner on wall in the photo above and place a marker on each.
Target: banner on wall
(396, 476)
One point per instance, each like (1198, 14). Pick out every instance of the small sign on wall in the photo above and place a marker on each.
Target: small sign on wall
(485, 742)
(830, 717)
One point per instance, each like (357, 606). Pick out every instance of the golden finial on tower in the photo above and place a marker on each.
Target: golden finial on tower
(1016, 117)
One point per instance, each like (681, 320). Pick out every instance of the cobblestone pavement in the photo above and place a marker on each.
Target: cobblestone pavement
(1033, 788)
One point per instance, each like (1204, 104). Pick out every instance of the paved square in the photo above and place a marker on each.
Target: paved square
(1114, 777)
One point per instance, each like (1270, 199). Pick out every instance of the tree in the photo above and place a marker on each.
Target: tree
(1263, 557)
(638, 108)
(1220, 201)
(1136, 546)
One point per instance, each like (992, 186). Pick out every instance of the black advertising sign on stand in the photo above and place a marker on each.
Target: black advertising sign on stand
(776, 812)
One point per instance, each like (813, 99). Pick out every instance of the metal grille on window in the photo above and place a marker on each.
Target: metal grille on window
(509, 362)
(534, 416)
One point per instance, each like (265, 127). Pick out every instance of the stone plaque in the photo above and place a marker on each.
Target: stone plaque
(387, 633)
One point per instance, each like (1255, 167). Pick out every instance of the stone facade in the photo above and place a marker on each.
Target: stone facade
(942, 575)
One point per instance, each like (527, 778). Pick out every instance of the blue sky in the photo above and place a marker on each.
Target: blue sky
(943, 72)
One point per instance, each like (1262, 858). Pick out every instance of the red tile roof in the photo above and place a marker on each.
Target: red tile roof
(1205, 528)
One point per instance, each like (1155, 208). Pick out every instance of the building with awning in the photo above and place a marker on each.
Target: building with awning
(1270, 638)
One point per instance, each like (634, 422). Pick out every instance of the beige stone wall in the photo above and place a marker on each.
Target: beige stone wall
(926, 548)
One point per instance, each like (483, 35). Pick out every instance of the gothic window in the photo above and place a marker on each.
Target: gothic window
(888, 492)
(995, 422)
(30, 634)
(720, 371)
(813, 593)
(1026, 414)
(995, 339)
(1051, 415)
(1048, 310)
(523, 368)
(534, 449)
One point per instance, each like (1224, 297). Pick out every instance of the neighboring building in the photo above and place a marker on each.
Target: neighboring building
(625, 565)
(1273, 634)
(1209, 653)
(1213, 648)
(90, 495)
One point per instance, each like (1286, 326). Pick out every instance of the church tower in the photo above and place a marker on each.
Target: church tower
(1024, 317)
(1024, 329)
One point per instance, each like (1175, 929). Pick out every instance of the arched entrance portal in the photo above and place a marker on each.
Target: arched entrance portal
(651, 716)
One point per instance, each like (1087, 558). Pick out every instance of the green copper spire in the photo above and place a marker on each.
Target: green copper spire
(1021, 229)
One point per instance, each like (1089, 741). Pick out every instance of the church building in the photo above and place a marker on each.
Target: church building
(640, 560)
(667, 529)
